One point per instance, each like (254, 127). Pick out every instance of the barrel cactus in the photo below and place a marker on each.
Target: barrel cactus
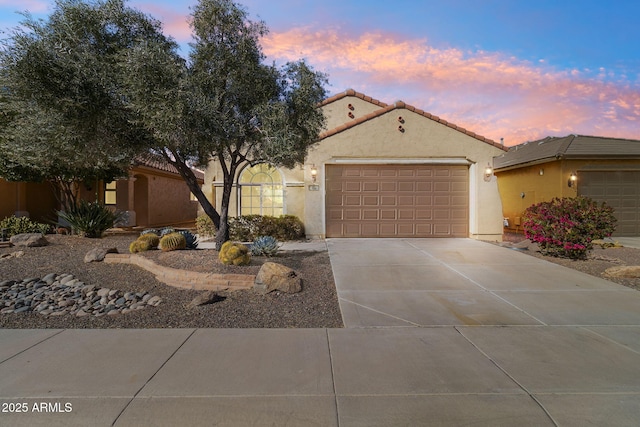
(233, 253)
(139, 246)
(172, 242)
(265, 246)
(152, 238)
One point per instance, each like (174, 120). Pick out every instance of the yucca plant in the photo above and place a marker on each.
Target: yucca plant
(90, 219)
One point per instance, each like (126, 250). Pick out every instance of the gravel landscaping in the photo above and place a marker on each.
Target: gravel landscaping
(315, 307)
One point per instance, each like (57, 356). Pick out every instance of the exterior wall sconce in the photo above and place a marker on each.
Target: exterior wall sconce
(488, 171)
(573, 179)
(541, 172)
(314, 173)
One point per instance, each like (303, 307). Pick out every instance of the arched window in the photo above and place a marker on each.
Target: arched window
(261, 191)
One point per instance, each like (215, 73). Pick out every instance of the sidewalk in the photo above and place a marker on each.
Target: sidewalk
(438, 332)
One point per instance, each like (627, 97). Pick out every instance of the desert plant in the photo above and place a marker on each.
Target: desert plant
(249, 227)
(140, 245)
(566, 227)
(234, 253)
(166, 230)
(18, 225)
(150, 231)
(90, 219)
(153, 239)
(265, 246)
(205, 227)
(172, 242)
(192, 240)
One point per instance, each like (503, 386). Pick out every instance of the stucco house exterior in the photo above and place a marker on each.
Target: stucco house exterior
(153, 194)
(379, 170)
(604, 169)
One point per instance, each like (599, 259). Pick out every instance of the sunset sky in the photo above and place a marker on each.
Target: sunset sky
(518, 70)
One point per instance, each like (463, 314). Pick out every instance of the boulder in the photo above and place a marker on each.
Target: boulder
(627, 271)
(98, 254)
(273, 276)
(208, 297)
(29, 240)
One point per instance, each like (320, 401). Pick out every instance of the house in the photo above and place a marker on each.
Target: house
(154, 195)
(380, 170)
(604, 169)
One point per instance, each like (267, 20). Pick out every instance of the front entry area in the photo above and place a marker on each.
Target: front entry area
(397, 200)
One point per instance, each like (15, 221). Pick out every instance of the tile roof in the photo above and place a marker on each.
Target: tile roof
(568, 147)
(395, 106)
(157, 162)
(351, 92)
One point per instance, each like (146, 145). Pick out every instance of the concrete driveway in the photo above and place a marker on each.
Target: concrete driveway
(447, 332)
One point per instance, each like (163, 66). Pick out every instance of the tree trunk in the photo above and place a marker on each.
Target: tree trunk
(223, 230)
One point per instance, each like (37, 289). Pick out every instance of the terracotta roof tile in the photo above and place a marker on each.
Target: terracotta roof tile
(155, 161)
(351, 92)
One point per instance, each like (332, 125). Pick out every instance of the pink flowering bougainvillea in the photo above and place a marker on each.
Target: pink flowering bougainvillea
(566, 227)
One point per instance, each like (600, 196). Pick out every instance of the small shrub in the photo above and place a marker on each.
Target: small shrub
(205, 227)
(233, 253)
(265, 246)
(173, 242)
(90, 219)
(19, 225)
(249, 227)
(566, 227)
(192, 240)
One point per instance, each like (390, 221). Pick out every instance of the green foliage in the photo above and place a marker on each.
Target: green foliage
(233, 253)
(249, 227)
(18, 225)
(205, 226)
(265, 246)
(172, 242)
(90, 219)
(139, 245)
(566, 227)
(167, 230)
(65, 119)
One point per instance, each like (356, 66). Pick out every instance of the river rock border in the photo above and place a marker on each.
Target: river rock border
(185, 279)
(59, 294)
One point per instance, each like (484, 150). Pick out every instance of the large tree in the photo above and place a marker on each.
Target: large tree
(62, 116)
(225, 102)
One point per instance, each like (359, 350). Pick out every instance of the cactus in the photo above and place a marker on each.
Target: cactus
(150, 231)
(167, 230)
(234, 253)
(139, 246)
(192, 240)
(172, 242)
(265, 246)
(152, 238)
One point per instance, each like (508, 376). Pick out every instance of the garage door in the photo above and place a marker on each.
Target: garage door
(620, 190)
(397, 201)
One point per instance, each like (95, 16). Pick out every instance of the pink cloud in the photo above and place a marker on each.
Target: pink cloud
(174, 23)
(487, 92)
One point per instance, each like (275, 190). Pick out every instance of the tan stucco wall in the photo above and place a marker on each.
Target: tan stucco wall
(525, 186)
(379, 141)
(35, 198)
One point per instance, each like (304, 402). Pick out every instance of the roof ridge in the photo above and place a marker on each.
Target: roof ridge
(402, 105)
(351, 92)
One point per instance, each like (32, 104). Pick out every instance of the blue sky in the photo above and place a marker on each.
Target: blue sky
(509, 69)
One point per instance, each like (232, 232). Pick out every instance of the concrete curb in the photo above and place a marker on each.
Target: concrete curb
(185, 279)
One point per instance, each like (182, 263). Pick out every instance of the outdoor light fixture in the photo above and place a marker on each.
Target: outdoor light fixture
(314, 172)
(573, 178)
(488, 171)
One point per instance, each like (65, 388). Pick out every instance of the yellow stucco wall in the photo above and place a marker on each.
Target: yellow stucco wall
(379, 141)
(525, 186)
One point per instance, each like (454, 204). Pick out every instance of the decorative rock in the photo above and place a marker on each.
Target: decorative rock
(208, 297)
(154, 301)
(98, 254)
(16, 254)
(627, 271)
(29, 240)
(273, 276)
(103, 292)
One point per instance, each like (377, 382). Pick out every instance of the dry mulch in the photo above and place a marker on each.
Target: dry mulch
(315, 307)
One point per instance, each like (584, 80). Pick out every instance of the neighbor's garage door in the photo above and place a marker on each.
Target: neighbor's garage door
(397, 201)
(620, 190)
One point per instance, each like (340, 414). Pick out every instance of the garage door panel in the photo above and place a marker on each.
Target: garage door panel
(397, 200)
(620, 190)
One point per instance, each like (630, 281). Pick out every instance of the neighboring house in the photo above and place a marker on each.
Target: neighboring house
(378, 171)
(604, 169)
(154, 195)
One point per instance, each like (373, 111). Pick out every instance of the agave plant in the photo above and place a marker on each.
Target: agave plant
(265, 246)
(192, 240)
